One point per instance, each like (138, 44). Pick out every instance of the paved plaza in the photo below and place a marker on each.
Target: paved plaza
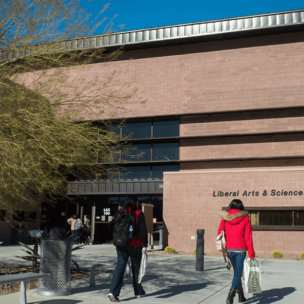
(171, 279)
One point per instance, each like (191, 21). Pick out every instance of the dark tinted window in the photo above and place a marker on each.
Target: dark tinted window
(24, 216)
(140, 152)
(2, 214)
(165, 151)
(299, 218)
(112, 157)
(115, 129)
(113, 173)
(135, 172)
(113, 200)
(278, 218)
(166, 128)
(158, 171)
(137, 130)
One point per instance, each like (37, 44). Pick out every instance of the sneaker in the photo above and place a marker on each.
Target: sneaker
(113, 298)
(140, 296)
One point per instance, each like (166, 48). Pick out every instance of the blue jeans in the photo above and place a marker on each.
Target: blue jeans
(123, 254)
(237, 261)
(75, 234)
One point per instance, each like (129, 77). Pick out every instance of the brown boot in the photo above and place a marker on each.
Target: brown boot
(241, 296)
(231, 296)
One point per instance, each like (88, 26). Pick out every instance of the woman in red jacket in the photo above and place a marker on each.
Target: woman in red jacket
(237, 227)
(132, 250)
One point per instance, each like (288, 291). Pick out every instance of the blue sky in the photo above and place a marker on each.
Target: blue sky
(135, 14)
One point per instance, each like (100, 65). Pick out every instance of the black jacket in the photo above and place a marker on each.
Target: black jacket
(142, 229)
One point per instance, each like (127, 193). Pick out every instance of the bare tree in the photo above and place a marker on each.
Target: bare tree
(43, 137)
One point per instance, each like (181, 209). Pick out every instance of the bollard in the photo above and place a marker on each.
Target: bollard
(200, 250)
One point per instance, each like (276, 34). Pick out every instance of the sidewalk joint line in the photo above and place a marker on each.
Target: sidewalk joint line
(213, 294)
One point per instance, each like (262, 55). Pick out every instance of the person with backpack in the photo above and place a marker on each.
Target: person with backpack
(76, 225)
(130, 236)
(238, 232)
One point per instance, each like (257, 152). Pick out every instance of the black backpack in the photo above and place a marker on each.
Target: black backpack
(123, 235)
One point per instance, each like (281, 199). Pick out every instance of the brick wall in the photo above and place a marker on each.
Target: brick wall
(248, 73)
(241, 147)
(243, 123)
(189, 204)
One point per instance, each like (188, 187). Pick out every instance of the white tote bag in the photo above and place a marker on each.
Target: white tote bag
(143, 266)
(253, 275)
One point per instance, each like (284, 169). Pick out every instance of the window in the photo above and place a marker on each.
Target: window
(113, 173)
(115, 128)
(2, 214)
(24, 216)
(166, 128)
(254, 218)
(142, 130)
(142, 172)
(276, 218)
(158, 171)
(299, 218)
(137, 130)
(113, 200)
(142, 152)
(165, 151)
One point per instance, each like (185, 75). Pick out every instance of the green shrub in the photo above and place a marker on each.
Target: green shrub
(194, 251)
(302, 255)
(169, 249)
(277, 254)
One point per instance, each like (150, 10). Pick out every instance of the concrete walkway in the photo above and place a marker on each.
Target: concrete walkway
(173, 279)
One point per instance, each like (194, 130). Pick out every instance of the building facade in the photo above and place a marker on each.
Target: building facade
(223, 118)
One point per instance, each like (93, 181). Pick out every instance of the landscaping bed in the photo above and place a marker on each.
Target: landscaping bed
(32, 284)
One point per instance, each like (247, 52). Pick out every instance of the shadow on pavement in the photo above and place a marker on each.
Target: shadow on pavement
(59, 301)
(173, 291)
(215, 268)
(102, 286)
(271, 296)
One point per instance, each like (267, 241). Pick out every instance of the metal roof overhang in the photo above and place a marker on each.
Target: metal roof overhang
(119, 187)
(248, 26)
(240, 27)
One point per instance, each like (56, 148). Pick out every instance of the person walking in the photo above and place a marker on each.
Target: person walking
(237, 227)
(76, 225)
(133, 249)
(87, 229)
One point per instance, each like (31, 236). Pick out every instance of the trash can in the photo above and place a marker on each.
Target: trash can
(55, 260)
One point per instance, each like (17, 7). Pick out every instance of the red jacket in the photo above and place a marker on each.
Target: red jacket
(238, 231)
(136, 241)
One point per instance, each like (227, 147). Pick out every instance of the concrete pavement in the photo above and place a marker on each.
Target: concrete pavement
(173, 279)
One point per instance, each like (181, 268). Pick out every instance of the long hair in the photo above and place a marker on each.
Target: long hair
(236, 204)
(130, 201)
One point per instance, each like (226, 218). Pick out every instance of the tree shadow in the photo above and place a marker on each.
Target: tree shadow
(271, 296)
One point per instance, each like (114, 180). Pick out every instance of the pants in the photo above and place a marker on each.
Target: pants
(237, 261)
(75, 234)
(123, 254)
(87, 235)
